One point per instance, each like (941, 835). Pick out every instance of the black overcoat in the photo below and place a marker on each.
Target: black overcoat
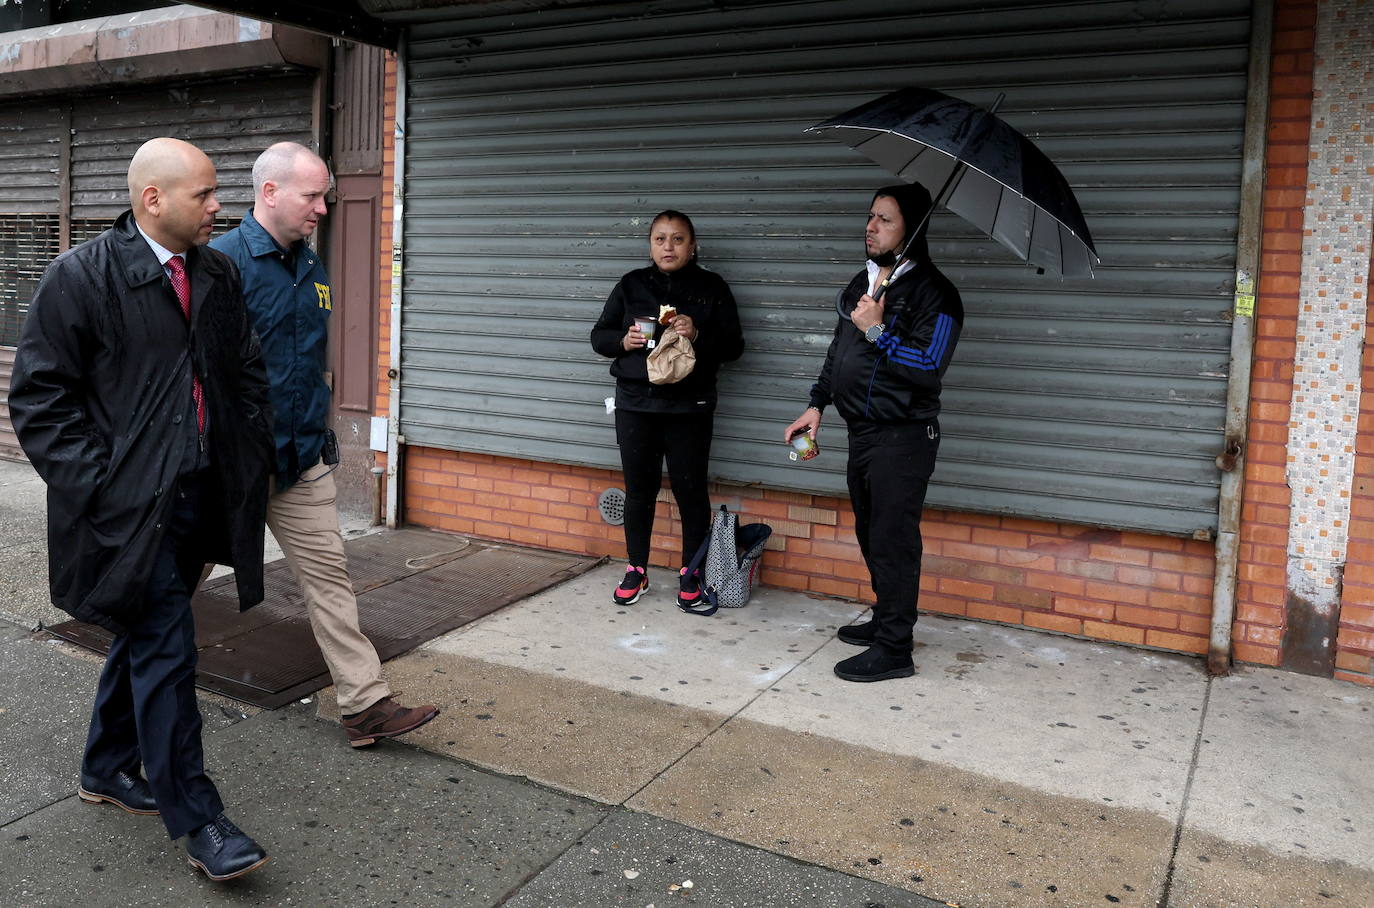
(98, 399)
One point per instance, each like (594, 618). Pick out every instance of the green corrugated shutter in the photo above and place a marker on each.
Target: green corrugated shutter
(538, 146)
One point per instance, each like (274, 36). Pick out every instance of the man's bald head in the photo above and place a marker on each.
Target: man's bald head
(162, 163)
(290, 183)
(172, 192)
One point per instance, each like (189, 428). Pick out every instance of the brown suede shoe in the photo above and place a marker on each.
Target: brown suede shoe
(385, 719)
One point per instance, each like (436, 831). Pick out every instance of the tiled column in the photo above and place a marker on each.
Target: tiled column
(1331, 327)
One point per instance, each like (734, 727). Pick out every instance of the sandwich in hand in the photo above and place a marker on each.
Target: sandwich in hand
(666, 314)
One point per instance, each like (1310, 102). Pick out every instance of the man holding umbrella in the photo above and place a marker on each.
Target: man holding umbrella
(883, 373)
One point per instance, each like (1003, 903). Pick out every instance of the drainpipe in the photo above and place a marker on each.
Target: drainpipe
(1231, 461)
(394, 439)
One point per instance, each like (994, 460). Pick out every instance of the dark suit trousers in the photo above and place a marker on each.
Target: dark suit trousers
(889, 469)
(145, 705)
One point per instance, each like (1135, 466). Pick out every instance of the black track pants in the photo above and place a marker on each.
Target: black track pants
(645, 440)
(889, 468)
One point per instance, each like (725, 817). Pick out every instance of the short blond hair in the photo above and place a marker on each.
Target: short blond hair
(276, 164)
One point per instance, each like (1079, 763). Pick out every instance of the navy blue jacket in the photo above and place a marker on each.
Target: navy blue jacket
(290, 312)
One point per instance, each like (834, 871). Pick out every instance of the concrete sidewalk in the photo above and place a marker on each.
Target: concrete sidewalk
(1016, 768)
(595, 755)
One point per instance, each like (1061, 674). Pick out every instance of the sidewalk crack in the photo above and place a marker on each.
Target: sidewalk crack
(1167, 890)
(534, 873)
(724, 722)
(39, 809)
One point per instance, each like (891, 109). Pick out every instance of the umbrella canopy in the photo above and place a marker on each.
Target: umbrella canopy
(1001, 183)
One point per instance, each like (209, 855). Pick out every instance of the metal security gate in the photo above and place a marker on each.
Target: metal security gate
(538, 147)
(231, 119)
(30, 157)
(65, 161)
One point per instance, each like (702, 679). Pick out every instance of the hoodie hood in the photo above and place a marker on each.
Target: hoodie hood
(914, 202)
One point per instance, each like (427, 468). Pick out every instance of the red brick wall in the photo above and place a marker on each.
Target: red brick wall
(1355, 640)
(1105, 584)
(1262, 571)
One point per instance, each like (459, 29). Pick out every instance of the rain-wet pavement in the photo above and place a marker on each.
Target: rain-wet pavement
(594, 755)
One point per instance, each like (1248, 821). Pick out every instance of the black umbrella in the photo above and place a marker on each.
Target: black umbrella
(989, 173)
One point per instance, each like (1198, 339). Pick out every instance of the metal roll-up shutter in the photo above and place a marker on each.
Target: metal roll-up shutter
(30, 156)
(538, 147)
(231, 119)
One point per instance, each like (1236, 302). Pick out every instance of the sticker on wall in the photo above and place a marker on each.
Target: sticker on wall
(1245, 294)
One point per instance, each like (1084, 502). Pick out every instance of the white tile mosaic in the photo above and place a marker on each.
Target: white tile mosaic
(1335, 278)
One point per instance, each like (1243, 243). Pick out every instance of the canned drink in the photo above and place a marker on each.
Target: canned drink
(804, 447)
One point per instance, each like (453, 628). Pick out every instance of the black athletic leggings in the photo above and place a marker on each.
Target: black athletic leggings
(645, 439)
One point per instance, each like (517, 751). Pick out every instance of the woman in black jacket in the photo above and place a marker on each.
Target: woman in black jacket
(666, 420)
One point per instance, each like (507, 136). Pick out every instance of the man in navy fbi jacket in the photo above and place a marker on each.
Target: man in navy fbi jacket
(883, 372)
(288, 297)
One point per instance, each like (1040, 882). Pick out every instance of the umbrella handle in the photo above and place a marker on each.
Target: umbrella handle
(882, 288)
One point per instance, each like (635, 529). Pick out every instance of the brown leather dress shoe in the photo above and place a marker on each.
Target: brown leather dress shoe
(385, 719)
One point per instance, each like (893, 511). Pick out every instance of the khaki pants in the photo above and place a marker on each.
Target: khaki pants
(305, 522)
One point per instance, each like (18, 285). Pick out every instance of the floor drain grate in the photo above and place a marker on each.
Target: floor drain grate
(611, 504)
(412, 586)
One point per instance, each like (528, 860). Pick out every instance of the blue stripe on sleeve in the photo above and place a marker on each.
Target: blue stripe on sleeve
(928, 359)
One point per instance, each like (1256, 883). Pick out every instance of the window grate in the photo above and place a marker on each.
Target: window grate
(28, 242)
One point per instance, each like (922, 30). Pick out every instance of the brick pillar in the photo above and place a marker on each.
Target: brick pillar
(1260, 587)
(1355, 639)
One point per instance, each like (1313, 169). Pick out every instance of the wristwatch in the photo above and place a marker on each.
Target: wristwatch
(873, 333)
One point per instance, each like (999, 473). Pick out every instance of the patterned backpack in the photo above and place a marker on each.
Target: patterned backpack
(731, 553)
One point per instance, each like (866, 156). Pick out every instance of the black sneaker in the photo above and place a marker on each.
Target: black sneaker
(877, 663)
(688, 588)
(632, 587)
(858, 634)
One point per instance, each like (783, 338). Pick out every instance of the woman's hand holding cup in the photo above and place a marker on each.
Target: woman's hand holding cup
(634, 338)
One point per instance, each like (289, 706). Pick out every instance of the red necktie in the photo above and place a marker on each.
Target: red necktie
(182, 286)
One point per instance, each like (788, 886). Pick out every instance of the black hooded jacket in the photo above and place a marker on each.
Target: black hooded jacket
(692, 291)
(897, 379)
(101, 402)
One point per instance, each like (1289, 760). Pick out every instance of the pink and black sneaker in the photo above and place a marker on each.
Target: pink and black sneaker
(688, 588)
(632, 587)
